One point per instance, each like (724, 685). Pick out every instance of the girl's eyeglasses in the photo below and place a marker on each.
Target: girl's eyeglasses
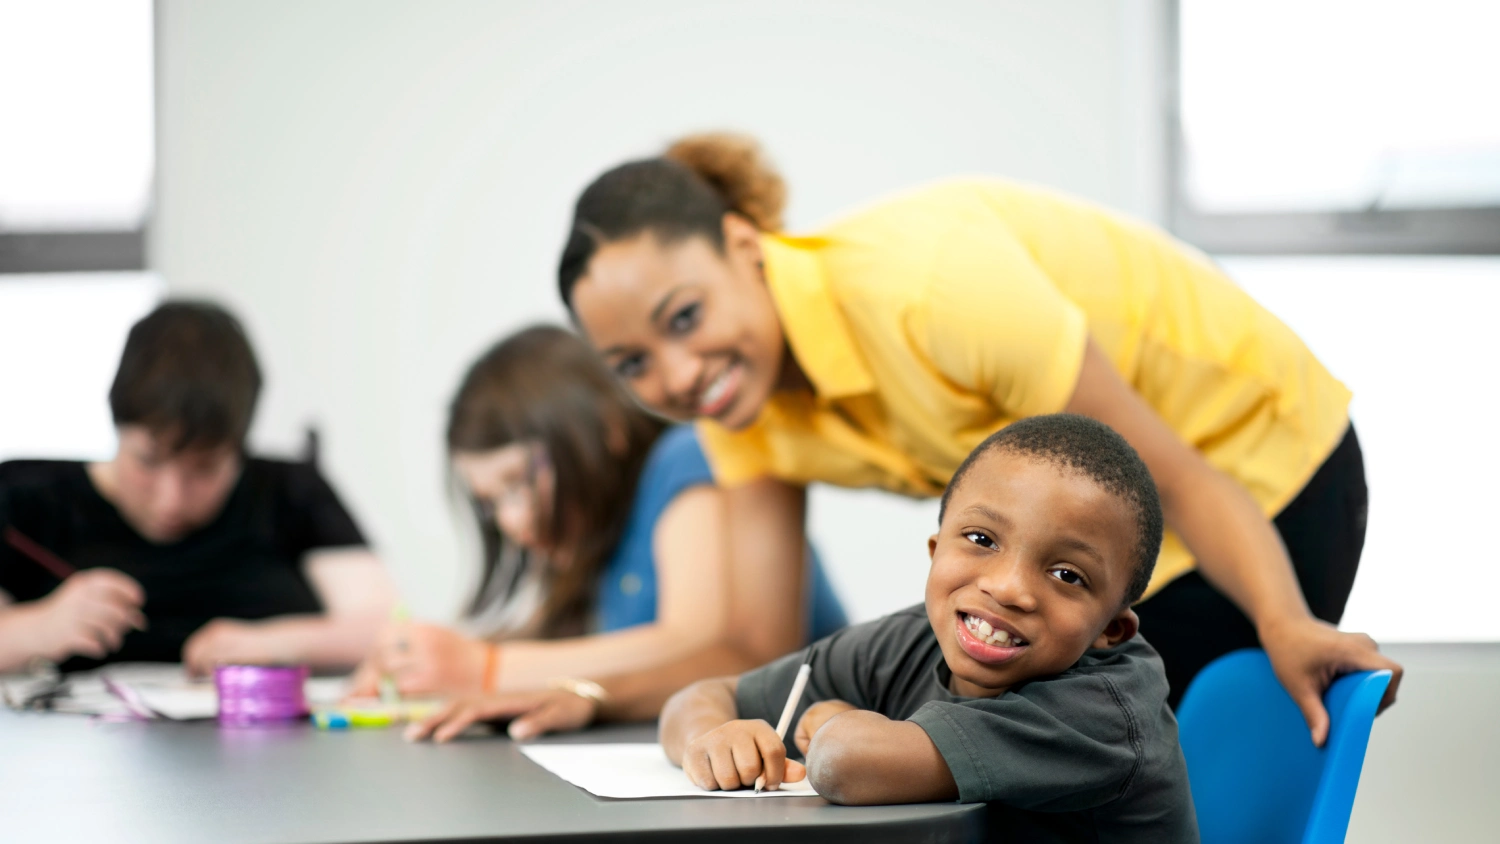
(519, 492)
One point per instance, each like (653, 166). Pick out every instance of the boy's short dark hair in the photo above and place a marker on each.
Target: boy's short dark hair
(1093, 448)
(187, 372)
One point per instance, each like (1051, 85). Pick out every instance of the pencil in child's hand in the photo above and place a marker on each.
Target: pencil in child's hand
(788, 711)
(389, 694)
(37, 554)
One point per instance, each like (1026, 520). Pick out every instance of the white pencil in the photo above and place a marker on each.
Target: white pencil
(788, 711)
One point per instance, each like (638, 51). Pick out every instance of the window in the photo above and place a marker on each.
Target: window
(69, 330)
(76, 160)
(76, 153)
(1336, 126)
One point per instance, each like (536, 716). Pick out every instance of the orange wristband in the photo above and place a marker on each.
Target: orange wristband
(491, 668)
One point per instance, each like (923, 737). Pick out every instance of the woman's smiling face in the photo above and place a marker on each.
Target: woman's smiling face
(690, 331)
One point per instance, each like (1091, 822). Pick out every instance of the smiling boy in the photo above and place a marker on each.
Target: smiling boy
(1023, 684)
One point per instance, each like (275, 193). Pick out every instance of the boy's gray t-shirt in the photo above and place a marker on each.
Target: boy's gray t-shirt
(1089, 754)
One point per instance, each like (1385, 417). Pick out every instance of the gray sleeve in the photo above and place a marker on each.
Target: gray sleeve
(755, 694)
(1061, 745)
(839, 672)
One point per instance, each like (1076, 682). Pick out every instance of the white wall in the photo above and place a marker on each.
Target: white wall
(1412, 337)
(381, 188)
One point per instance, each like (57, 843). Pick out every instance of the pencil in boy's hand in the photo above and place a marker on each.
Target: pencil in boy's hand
(37, 554)
(788, 711)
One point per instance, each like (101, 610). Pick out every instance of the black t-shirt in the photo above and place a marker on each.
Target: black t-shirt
(245, 564)
(1090, 754)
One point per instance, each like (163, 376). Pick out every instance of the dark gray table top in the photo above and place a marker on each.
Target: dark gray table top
(69, 778)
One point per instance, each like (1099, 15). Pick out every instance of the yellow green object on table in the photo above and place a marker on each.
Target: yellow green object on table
(373, 716)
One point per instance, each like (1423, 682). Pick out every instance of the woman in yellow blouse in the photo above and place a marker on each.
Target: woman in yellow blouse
(879, 350)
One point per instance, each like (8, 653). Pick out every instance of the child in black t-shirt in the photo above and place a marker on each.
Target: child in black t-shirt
(185, 549)
(1022, 684)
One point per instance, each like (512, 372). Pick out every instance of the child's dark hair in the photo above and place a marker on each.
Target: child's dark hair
(544, 385)
(188, 373)
(683, 193)
(1094, 449)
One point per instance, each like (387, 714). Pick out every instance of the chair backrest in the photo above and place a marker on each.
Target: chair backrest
(1255, 774)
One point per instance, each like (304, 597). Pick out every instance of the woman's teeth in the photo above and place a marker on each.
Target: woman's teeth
(716, 390)
(989, 635)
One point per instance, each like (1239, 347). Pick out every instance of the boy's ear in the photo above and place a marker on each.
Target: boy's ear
(931, 546)
(1121, 628)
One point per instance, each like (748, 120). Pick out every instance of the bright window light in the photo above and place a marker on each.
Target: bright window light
(62, 335)
(1339, 105)
(76, 148)
(1411, 337)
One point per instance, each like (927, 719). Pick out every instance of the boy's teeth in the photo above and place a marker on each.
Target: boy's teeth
(985, 632)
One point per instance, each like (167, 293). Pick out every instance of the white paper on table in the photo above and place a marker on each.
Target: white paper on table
(169, 692)
(634, 771)
(166, 689)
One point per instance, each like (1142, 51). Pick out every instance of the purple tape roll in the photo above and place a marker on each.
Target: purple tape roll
(254, 694)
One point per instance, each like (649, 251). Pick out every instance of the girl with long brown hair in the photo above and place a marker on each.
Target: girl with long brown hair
(603, 535)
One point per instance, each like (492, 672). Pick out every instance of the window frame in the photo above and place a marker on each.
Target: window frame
(1425, 231)
(92, 250)
(72, 251)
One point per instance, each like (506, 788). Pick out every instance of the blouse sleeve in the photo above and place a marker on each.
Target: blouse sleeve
(993, 323)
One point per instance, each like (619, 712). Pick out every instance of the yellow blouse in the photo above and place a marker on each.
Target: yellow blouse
(931, 319)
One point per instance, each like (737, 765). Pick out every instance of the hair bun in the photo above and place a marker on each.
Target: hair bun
(735, 166)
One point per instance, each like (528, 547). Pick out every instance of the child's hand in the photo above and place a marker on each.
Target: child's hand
(733, 755)
(423, 659)
(89, 614)
(531, 714)
(226, 641)
(813, 720)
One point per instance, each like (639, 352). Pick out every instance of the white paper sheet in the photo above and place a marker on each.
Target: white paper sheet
(633, 771)
(163, 687)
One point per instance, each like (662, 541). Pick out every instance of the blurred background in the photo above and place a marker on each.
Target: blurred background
(380, 190)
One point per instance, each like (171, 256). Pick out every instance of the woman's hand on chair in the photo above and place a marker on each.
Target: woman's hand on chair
(1308, 655)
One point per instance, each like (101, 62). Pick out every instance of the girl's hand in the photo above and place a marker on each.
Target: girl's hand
(531, 714)
(365, 681)
(424, 660)
(813, 720)
(735, 754)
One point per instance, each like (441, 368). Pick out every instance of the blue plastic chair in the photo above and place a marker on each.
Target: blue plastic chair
(1255, 774)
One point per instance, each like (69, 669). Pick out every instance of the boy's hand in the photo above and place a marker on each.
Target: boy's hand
(733, 755)
(89, 614)
(226, 641)
(813, 720)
